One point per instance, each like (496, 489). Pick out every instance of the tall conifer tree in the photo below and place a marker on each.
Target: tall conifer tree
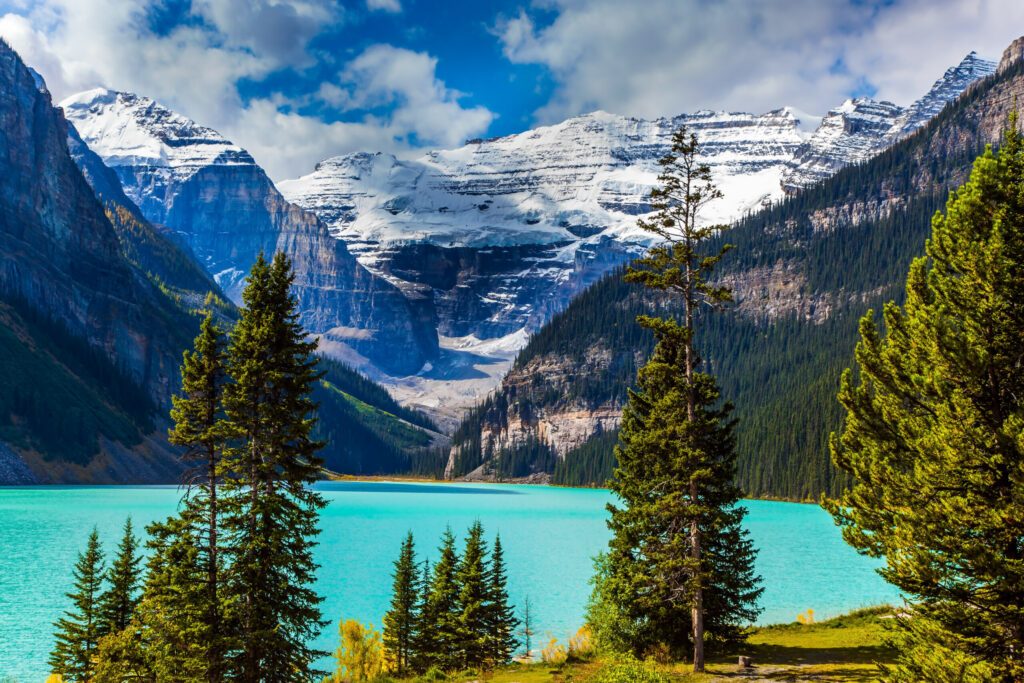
(679, 559)
(117, 603)
(934, 436)
(79, 630)
(501, 621)
(272, 515)
(474, 581)
(199, 426)
(400, 621)
(440, 617)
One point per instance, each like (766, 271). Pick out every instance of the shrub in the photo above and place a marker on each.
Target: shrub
(433, 674)
(554, 654)
(581, 645)
(360, 656)
(630, 671)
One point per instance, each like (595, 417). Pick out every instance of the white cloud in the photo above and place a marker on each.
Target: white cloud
(195, 68)
(393, 6)
(679, 55)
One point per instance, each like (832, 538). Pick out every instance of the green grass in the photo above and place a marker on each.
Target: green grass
(846, 649)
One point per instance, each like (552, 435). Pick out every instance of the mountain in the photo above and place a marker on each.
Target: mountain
(803, 273)
(862, 127)
(503, 233)
(89, 343)
(226, 210)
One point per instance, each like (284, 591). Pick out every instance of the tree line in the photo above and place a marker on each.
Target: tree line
(226, 592)
(453, 616)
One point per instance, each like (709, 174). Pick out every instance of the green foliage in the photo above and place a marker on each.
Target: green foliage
(440, 631)
(200, 426)
(365, 431)
(500, 621)
(155, 253)
(79, 630)
(270, 519)
(630, 671)
(678, 555)
(474, 582)
(117, 603)
(45, 365)
(461, 619)
(401, 619)
(589, 464)
(934, 433)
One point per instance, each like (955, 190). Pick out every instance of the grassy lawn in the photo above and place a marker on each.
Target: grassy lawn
(844, 649)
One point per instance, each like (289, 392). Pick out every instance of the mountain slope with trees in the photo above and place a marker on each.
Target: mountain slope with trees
(805, 271)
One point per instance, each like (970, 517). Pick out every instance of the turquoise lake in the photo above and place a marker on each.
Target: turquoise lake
(549, 534)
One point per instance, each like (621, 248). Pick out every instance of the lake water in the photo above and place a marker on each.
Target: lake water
(549, 534)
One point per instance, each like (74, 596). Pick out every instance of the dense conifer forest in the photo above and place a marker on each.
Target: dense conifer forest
(781, 372)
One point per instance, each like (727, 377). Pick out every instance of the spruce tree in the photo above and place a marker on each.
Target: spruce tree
(79, 630)
(422, 645)
(117, 603)
(679, 560)
(272, 515)
(934, 436)
(474, 581)
(200, 427)
(441, 615)
(400, 621)
(501, 618)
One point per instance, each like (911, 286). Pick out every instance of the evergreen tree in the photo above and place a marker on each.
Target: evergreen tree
(679, 558)
(501, 619)
(199, 426)
(440, 618)
(271, 518)
(401, 620)
(422, 644)
(79, 630)
(934, 436)
(169, 634)
(474, 581)
(117, 603)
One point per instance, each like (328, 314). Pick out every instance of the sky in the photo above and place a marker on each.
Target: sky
(297, 81)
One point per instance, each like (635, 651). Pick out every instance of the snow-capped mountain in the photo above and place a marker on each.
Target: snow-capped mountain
(226, 209)
(861, 128)
(537, 215)
(485, 242)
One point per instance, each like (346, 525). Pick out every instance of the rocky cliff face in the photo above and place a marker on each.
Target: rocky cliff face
(60, 253)
(227, 211)
(61, 264)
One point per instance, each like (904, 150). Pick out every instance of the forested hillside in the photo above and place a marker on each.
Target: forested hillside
(803, 272)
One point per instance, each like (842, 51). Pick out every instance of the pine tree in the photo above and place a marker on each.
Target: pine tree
(79, 631)
(168, 635)
(679, 558)
(934, 436)
(117, 603)
(422, 645)
(474, 581)
(272, 514)
(200, 427)
(440, 618)
(501, 619)
(401, 620)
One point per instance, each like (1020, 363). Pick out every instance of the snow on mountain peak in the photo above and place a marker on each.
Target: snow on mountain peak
(130, 130)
